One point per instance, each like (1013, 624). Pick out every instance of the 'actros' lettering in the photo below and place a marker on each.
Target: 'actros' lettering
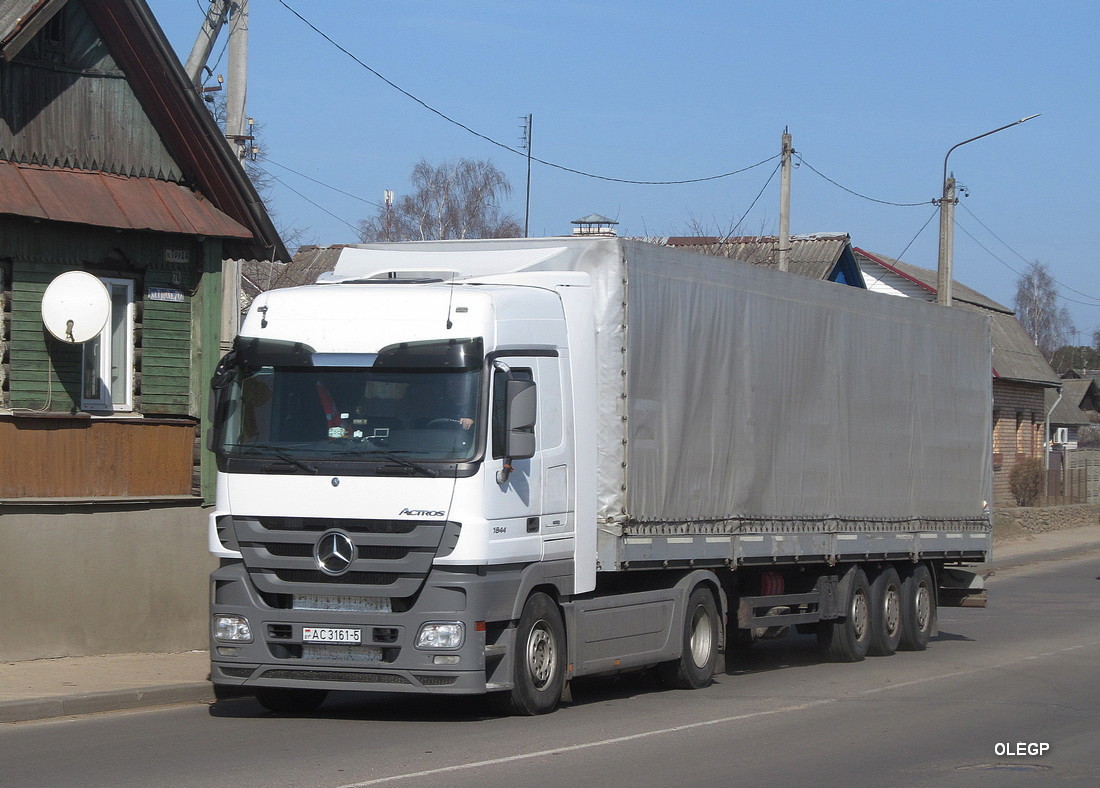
(420, 513)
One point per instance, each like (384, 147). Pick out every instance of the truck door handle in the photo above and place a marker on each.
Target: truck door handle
(532, 525)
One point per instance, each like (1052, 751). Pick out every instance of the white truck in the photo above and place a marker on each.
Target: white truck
(494, 466)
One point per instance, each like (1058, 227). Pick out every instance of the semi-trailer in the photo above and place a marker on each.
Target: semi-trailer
(493, 466)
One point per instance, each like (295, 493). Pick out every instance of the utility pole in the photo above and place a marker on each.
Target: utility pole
(238, 128)
(204, 44)
(235, 129)
(784, 260)
(947, 220)
(947, 242)
(525, 143)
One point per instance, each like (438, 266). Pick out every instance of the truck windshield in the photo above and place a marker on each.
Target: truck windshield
(313, 413)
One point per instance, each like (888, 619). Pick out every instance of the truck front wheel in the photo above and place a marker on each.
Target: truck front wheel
(695, 667)
(539, 661)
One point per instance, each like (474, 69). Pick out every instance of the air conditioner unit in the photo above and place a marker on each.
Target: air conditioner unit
(1061, 435)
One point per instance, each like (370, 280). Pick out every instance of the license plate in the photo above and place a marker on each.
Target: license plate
(331, 635)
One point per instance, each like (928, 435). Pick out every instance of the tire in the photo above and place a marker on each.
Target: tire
(283, 700)
(918, 608)
(538, 666)
(885, 612)
(846, 639)
(699, 653)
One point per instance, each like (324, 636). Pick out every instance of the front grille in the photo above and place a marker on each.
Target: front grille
(320, 524)
(335, 675)
(306, 551)
(354, 578)
(236, 673)
(436, 681)
(393, 557)
(386, 634)
(279, 631)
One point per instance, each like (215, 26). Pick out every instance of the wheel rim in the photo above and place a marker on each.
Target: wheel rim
(922, 607)
(542, 654)
(701, 637)
(891, 612)
(860, 610)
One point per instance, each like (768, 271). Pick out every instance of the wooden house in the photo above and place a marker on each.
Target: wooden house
(110, 164)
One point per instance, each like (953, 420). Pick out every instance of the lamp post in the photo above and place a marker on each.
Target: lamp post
(947, 220)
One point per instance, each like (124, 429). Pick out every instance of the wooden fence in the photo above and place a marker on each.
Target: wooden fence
(1074, 477)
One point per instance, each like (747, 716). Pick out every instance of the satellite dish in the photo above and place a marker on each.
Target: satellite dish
(75, 307)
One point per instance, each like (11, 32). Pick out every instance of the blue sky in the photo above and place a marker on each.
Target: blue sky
(873, 93)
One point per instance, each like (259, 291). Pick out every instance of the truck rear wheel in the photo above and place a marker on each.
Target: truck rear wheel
(286, 700)
(695, 667)
(538, 666)
(885, 612)
(918, 608)
(846, 639)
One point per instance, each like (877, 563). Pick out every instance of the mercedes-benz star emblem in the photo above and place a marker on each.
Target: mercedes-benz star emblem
(335, 553)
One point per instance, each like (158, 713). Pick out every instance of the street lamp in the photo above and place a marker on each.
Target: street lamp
(947, 220)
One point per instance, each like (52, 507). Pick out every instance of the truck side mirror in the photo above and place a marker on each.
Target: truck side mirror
(522, 404)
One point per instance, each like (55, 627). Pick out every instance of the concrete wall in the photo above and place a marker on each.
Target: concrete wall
(82, 580)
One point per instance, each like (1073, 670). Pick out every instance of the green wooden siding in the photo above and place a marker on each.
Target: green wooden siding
(45, 372)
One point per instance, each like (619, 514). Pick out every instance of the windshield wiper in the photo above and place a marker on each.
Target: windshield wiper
(278, 451)
(392, 457)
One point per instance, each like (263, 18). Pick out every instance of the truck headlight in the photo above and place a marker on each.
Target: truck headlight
(232, 629)
(441, 634)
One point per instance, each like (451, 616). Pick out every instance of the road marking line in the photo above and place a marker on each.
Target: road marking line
(692, 725)
(588, 745)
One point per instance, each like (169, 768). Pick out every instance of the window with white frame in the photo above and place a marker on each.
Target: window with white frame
(107, 382)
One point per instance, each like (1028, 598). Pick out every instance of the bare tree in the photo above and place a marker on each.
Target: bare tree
(453, 200)
(1038, 311)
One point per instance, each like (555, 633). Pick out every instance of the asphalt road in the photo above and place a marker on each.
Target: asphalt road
(995, 683)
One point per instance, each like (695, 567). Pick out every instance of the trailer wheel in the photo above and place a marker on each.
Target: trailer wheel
(539, 662)
(918, 609)
(285, 700)
(846, 639)
(885, 612)
(695, 667)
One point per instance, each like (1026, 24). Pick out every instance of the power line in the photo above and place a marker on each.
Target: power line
(1009, 248)
(801, 160)
(752, 205)
(1013, 270)
(502, 145)
(921, 230)
(322, 183)
(311, 202)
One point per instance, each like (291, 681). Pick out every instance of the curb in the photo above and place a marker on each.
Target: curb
(110, 700)
(1038, 556)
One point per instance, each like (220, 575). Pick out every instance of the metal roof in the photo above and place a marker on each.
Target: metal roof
(813, 255)
(927, 279)
(103, 200)
(1066, 412)
(1015, 356)
(593, 218)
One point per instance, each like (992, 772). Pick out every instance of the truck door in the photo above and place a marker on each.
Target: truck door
(514, 507)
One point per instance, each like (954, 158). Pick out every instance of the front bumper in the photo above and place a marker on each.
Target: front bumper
(388, 659)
